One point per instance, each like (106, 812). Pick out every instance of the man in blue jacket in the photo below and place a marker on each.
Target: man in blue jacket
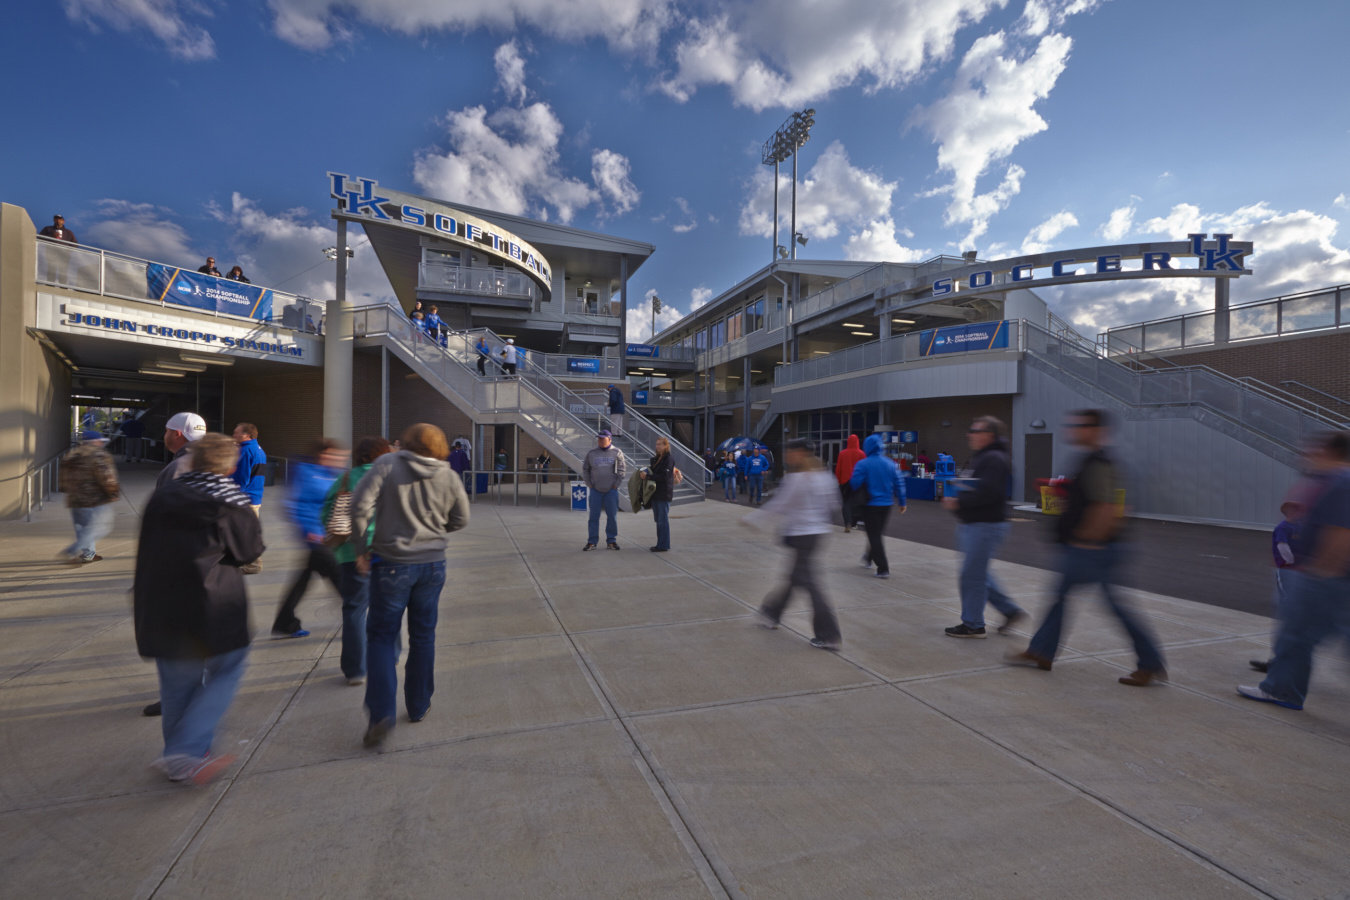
(248, 474)
(615, 410)
(755, 467)
(884, 486)
(309, 493)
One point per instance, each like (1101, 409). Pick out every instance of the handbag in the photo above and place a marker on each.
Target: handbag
(339, 527)
(679, 477)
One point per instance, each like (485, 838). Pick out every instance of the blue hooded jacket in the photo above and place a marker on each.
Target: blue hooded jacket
(756, 465)
(308, 495)
(250, 455)
(880, 474)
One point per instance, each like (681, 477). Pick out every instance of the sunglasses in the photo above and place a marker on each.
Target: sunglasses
(978, 431)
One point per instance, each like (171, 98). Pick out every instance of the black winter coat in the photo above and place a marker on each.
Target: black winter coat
(663, 476)
(190, 601)
(986, 500)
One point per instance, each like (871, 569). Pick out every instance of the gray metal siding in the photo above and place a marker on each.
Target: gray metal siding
(962, 379)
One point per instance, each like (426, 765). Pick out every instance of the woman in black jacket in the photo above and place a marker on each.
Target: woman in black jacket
(663, 476)
(191, 609)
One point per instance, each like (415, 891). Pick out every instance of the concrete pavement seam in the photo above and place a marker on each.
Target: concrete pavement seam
(716, 875)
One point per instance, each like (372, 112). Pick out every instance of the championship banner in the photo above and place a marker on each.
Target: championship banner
(960, 338)
(207, 292)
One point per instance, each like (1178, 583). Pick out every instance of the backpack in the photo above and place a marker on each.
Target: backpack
(339, 530)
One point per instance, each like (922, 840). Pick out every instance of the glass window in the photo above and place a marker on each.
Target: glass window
(701, 340)
(734, 326)
(717, 335)
(754, 316)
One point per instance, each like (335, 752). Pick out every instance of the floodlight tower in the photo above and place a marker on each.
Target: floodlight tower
(785, 142)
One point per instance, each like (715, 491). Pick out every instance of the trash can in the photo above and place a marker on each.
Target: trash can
(481, 483)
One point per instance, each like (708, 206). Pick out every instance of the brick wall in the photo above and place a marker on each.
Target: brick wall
(927, 418)
(286, 407)
(1319, 361)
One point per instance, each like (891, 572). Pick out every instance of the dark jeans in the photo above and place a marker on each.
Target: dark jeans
(608, 502)
(802, 575)
(482, 364)
(1316, 608)
(416, 588)
(355, 590)
(978, 542)
(661, 513)
(1083, 566)
(874, 520)
(321, 560)
(845, 495)
(756, 487)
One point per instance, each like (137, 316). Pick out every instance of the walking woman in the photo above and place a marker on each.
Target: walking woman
(805, 507)
(663, 476)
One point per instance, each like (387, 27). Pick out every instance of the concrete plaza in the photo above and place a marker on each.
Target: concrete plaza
(615, 725)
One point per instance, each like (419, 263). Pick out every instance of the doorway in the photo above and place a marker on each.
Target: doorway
(829, 453)
(1038, 462)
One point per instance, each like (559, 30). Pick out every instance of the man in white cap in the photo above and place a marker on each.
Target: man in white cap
(509, 357)
(179, 432)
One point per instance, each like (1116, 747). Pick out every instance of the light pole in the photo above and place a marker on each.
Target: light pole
(785, 142)
(656, 308)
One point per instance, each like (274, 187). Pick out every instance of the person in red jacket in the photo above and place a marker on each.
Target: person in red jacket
(843, 471)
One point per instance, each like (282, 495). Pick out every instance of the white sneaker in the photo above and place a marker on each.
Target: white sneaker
(1255, 693)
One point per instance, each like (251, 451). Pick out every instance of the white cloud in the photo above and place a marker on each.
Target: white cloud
(987, 113)
(1342, 200)
(1038, 239)
(630, 25)
(1040, 16)
(509, 161)
(640, 317)
(1184, 219)
(163, 19)
(611, 173)
(877, 241)
(685, 229)
(789, 52)
(141, 230)
(1119, 224)
(834, 194)
(510, 72)
(699, 296)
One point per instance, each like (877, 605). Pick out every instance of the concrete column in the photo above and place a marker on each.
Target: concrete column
(884, 330)
(337, 352)
(1220, 310)
(384, 392)
(745, 401)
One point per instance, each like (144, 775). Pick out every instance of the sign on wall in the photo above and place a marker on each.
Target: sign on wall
(583, 365)
(640, 398)
(651, 351)
(961, 338)
(151, 328)
(201, 291)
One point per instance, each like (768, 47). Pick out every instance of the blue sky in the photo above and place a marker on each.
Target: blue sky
(175, 128)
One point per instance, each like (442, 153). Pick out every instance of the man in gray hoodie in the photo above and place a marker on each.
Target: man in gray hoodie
(603, 470)
(415, 501)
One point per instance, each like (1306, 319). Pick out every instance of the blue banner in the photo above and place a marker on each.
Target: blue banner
(579, 494)
(639, 398)
(960, 338)
(651, 351)
(584, 365)
(199, 291)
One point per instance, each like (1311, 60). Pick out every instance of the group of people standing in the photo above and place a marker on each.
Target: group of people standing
(743, 472)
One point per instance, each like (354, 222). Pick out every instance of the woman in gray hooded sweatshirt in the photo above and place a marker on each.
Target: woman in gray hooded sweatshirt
(415, 501)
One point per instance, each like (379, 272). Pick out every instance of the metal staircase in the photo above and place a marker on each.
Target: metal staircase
(546, 409)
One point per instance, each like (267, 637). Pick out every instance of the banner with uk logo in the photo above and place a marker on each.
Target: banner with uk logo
(208, 292)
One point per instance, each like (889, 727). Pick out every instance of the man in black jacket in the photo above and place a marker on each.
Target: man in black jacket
(191, 610)
(982, 527)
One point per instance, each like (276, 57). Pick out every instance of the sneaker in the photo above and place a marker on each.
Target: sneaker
(86, 560)
(419, 718)
(588, 547)
(655, 549)
(210, 769)
(377, 732)
(297, 633)
(1012, 620)
(1260, 665)
(965, 631)
(356, 679)
(612, 545)
(766, 620)
(154, 709)
(1143, 677)
(847, 529)
(866, 561)
(821, 644)
(883, 575)
(1027, 658)
(1255, 693)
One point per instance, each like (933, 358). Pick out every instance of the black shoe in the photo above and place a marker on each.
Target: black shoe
(377, 732)
(588, 547)
(154, 709)
(612, 545)
(821, 644)
(419, 718)
(658, 549)
(1016, 617)
(964, 631)
(1259, 665)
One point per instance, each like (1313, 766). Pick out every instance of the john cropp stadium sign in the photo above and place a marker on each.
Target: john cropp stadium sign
(364, 197)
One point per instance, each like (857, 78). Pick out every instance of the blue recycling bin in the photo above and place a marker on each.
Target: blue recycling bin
(480, 484)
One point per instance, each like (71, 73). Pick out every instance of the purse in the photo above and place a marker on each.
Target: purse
(339, 529)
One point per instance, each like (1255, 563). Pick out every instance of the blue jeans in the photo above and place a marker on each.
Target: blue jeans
(1083, 566)
(979, 541)
(755, 487)
(609, 502)
(194, 694)
(415, 587)
(661, 513)
(1315, 609)
(355, 590)
(91, 523)
(729, 488)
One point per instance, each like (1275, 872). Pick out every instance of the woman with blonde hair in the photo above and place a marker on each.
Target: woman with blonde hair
(662, 470)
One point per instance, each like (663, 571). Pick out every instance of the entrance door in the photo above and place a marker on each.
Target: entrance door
(829, 453)
(1038, 463)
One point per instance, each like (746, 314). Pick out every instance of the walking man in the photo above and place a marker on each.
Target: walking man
(415, 502)
(884, 488)
(615, 410)
(190, 606)
(1319, 602)
(484, 354)
(1089, 530)
(249, 476)
(509, 354)
(981, 528)
(843, 471)
(312, 481)
(89, 481)
(805, 506)
(603, 471)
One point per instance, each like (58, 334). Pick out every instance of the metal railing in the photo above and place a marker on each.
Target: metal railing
(675, 399)
(107, 274)
(1315, 310)
(482, 280)
(607, 309)
(557, 365)
(533, 394)
(850, 289)
(671, 352)
(40, 482)
(900, 348)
